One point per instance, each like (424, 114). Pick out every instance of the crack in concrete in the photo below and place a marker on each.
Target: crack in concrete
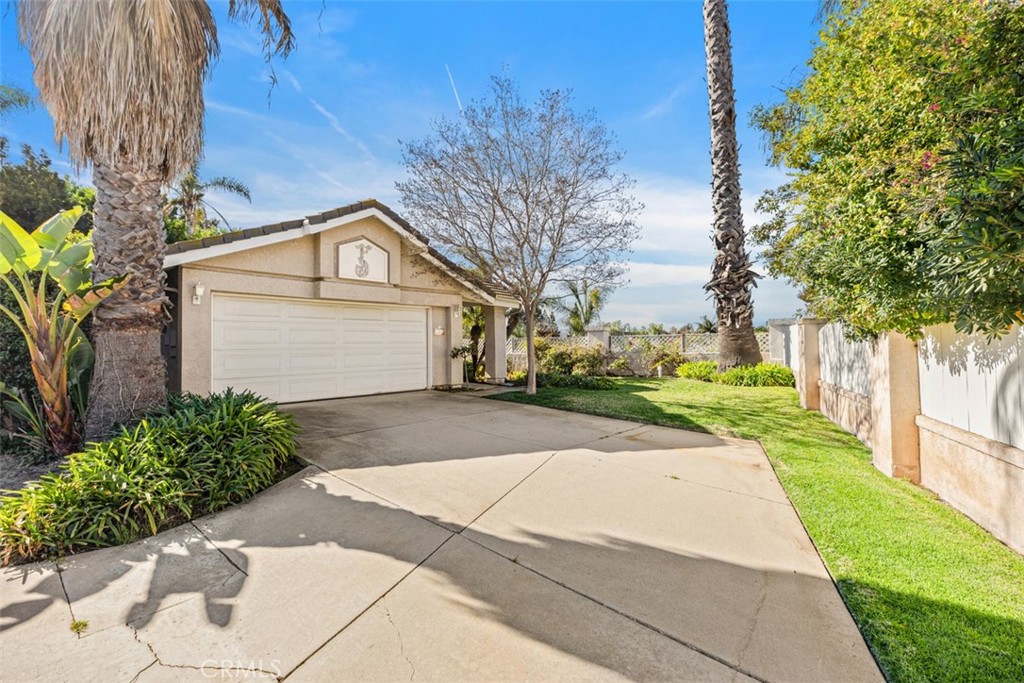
(136, 677)
(67, 598)
(401, 643)
(748, 640)
(202, 669)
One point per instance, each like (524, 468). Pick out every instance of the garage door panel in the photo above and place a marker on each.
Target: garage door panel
(265, 388)
(247, 363)
(412, 315)
(311, 388)
(312, 336)
(375, 361)
(303, 350)
(370, 335)
(405, 360)
(356, 314)
(301, 311)
(313, 362)
(237, 308)
(357, 383)
(241, 334)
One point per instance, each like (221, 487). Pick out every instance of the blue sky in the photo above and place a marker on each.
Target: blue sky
(366, 75)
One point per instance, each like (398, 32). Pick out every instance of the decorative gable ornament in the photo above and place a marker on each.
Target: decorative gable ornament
(363, 260)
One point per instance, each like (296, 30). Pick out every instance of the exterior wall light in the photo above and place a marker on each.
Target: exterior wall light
(198, 290)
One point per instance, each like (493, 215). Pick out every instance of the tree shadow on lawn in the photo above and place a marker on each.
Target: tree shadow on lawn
(738, 614)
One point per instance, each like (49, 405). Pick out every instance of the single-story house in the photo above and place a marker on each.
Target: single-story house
(348, 302)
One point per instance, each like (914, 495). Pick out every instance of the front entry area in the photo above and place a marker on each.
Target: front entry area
(291, 350)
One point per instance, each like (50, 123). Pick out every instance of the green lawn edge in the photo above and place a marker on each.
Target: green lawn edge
(936, 597)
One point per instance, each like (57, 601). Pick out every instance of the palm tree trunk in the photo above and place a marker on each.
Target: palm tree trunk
(731, 275)
(130, 374)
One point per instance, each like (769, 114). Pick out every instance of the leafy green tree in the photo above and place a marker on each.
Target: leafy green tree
(906, 148)
(13, 98)
(31, 191)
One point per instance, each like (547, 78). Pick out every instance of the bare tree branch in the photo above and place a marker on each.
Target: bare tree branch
(525, 195)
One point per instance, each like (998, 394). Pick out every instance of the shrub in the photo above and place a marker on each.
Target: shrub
(703, 370)
(575, 381)
(565, 359)
(760, 375)
(199, 455)
(516, 378)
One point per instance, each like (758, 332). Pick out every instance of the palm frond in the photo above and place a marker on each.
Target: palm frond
(275, 25)
(217, 211)
(123, 80)
(228, 184)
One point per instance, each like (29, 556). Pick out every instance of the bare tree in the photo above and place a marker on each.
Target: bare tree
(525, 194)
(732, 276)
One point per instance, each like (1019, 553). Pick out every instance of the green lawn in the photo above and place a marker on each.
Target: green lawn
(938, 599)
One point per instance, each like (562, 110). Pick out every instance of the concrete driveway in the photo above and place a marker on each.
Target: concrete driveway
(441, 537)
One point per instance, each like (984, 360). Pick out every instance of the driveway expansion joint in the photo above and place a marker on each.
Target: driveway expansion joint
(219, 550)
(366, 609)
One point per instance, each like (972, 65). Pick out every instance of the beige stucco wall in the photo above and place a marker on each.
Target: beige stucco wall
(306, 268)
(848, 409)
(981, 477)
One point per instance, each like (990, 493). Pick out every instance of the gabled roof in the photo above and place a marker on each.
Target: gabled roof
(251, 238)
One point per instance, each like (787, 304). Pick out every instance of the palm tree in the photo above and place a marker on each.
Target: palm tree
(584, 307)
(189, 199)
(123, 81)
(732, 276)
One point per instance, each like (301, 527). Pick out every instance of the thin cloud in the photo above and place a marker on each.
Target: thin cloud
(292, 80)
(213, 105)
(338, 128)
(667, 104)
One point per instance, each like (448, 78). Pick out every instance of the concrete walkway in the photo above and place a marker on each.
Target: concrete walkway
(441, 537)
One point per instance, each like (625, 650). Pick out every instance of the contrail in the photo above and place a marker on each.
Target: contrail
(454, 89)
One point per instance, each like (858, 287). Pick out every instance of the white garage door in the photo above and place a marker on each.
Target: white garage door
(294, 350)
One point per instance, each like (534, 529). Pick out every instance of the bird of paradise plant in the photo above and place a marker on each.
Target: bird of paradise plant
(52, 327)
